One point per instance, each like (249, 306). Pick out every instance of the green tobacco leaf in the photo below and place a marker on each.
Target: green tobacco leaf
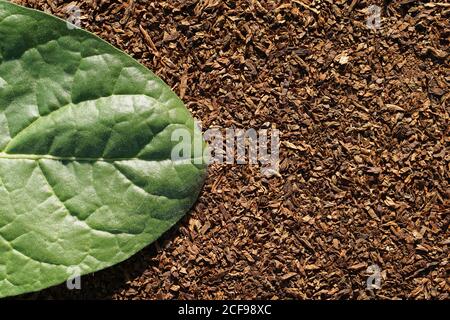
(86, 173)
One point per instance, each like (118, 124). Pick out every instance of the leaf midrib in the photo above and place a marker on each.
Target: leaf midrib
(37, 157)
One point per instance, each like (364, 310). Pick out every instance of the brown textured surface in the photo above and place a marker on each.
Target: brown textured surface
(365, 156)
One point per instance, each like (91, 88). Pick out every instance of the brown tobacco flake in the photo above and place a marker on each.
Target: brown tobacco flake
(183, 85)
(149, 41)
(372, 214)
(393, 107)
(311, 267)
(175, 288)
(288, 276)
(358, 266)
(248, 257)
(205, 227)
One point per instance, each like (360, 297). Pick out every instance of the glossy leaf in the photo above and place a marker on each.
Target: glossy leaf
(86, 174)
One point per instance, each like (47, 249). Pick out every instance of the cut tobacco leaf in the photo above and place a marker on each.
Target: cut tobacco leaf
(86, 173)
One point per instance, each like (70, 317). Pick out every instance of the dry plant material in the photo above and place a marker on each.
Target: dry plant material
(365, 156)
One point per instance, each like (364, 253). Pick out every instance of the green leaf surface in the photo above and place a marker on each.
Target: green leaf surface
(86, 175)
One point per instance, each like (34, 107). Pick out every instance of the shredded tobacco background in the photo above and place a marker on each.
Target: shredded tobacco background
(365, 159)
